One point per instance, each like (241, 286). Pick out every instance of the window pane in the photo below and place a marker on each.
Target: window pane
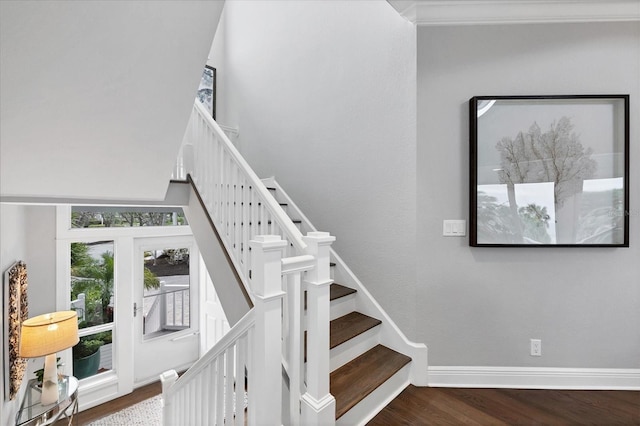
(93, 355)
(92, 287)
(92, 282)
(114, 217)
(166, 293)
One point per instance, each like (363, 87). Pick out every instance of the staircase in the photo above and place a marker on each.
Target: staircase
(343, 359)
(369, 379)
(365, 374)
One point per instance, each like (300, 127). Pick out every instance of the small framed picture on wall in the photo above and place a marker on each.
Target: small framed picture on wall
(207, 90)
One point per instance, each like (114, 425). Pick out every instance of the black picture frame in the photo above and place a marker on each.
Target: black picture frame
(207, 90)
(549, 171)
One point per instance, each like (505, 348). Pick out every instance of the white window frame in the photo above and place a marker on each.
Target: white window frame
(118, 381)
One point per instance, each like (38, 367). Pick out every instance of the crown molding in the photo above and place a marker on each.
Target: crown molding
(478, 12)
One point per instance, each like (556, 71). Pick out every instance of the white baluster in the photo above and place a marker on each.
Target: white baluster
(187, 160)
(318, 405)
(246, 218)
(241, 354)
(229, 356)
(295, 301)
(220, 391)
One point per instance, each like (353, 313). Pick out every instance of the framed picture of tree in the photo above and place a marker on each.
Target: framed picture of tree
(549, 171)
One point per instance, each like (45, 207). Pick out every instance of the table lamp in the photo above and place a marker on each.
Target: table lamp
(45, 335)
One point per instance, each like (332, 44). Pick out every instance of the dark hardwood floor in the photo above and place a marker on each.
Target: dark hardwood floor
(456, 406)
(103, 410)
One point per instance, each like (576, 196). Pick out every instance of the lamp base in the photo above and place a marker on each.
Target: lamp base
(49, 381)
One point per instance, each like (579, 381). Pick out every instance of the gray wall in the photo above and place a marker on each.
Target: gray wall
(324, 97)
(480, 306)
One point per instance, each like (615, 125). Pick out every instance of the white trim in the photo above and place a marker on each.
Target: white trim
(473, 12)
(535, 377)
(119, 381)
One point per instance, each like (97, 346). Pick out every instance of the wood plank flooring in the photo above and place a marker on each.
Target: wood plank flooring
(455, 406)
(494, 407)
(103, 410)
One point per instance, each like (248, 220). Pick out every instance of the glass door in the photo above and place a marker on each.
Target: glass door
(165, 306)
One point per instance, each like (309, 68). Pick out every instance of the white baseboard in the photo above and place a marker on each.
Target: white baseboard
(534, 378)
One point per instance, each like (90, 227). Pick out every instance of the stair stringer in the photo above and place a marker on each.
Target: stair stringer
(390, 334)
(233, 297)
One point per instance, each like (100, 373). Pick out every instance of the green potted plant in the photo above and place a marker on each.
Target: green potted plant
(86, 357)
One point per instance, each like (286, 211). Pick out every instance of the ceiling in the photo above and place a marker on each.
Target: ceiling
(95, 95)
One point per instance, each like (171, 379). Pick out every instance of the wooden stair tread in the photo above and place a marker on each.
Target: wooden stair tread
(352, 382)
(349, 326)
(345, 328)
(338, 290)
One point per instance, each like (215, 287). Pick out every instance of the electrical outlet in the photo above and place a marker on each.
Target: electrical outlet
(536, 347)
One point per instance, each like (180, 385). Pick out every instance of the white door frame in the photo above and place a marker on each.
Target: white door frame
(106, 386)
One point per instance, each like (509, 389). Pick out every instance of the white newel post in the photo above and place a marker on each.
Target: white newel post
(318, 405)
(265, 378)
(168, 378)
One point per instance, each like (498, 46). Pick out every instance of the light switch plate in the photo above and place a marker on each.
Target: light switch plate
(454, 228)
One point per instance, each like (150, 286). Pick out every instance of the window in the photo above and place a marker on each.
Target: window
(166, 293)
(122, 217)
(92, 290)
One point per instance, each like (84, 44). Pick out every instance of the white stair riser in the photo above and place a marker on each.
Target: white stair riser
(342, 354)
(367, 409)
(342, 306)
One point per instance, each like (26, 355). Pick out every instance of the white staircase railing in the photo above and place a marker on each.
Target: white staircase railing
(236, 199)
(276, 264)
(218, 379)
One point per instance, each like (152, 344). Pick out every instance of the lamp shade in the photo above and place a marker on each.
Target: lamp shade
(49, 333)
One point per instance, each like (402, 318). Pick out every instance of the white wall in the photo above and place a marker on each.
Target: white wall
(480, 306)
(41, 251)
(324, 95)
(96, 95)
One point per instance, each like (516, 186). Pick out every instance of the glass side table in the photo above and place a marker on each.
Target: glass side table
(32, 413)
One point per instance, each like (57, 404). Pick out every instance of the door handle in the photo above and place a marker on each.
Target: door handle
(136, 309)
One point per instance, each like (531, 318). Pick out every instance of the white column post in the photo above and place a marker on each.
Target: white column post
(265, 375)
(318, 405)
